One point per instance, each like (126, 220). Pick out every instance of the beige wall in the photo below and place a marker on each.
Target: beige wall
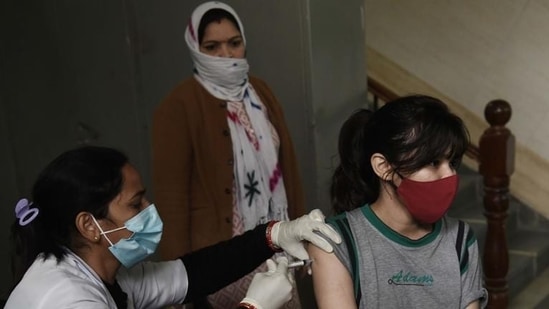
(473, 52)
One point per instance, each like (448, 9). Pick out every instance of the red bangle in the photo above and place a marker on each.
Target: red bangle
(269, 239)
(244, 305)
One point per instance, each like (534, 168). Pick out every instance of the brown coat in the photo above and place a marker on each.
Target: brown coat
(192, 163)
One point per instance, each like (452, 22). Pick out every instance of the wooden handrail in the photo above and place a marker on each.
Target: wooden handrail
(496, 156)
(380, 91)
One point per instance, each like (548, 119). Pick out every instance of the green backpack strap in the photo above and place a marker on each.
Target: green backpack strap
(463, 258)
(463, 249)
(459, 238)
(341, 224)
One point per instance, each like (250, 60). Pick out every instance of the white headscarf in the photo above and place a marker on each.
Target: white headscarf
(259, 185)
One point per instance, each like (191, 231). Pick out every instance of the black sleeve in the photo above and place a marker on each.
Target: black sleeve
(214, 267)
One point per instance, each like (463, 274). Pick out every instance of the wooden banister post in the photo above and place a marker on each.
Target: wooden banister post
(497, 159)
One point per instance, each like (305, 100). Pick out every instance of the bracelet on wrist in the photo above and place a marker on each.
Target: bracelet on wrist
(268, 236)
(244, 305)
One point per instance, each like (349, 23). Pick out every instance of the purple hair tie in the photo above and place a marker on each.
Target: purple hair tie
(24, 213)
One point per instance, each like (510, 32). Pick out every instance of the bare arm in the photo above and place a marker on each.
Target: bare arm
(473, 305)
(332, 282)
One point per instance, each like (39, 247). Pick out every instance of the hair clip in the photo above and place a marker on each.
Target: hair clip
(24, 213)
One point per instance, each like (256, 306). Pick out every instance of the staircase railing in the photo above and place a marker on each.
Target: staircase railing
(495, 156)
(497, 159)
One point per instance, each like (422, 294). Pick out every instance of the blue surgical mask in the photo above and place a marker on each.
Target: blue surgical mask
(147, 231)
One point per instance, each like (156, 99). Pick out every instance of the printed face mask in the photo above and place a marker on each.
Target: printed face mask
(147, 231)
(428, 201)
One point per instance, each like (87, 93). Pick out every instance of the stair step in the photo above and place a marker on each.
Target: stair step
(531, 220)
(528, 257)
(473, 214)
(532, 244)
(470, 188)
(535, 295)
(521, 272)
(528, 251)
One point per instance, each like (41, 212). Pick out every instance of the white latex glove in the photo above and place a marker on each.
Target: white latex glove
(271, 289)
(288, 235)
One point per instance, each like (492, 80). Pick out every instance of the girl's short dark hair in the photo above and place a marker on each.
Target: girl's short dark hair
(214, 15)
(84, 179)
(411, 132)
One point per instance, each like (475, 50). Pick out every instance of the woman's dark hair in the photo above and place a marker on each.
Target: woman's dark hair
(411, 132)
(214, 15)
(85, 179)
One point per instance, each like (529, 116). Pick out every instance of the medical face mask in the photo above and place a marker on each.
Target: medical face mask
(147, 231)
(428, 201)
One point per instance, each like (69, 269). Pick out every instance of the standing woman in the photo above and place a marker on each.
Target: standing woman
(223, 160)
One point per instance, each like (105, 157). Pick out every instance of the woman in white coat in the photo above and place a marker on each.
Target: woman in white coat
(83, 239)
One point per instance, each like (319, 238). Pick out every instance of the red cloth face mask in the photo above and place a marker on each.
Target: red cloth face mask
(428, 201)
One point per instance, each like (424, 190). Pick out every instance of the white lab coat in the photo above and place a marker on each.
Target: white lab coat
(73, 284)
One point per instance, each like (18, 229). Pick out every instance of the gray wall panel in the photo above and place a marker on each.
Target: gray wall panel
(76, 72)
(338, 79)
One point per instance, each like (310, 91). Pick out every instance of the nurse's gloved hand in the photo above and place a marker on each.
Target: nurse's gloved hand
(289, 235)
(271, 289)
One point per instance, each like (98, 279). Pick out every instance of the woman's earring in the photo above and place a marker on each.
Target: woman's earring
(96, 238)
